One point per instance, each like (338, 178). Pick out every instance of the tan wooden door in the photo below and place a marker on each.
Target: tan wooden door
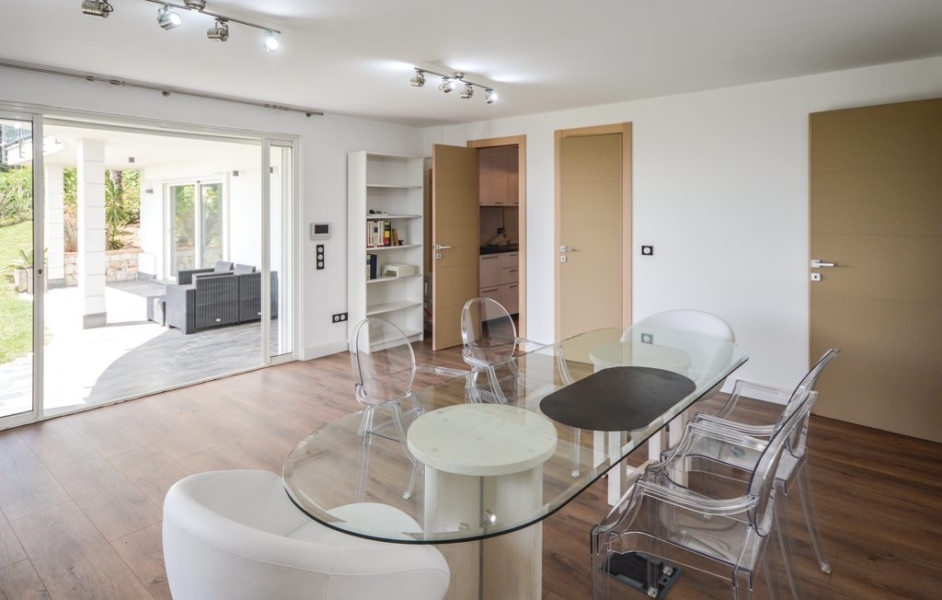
(593, 229)
(876, 212)
(455, 239)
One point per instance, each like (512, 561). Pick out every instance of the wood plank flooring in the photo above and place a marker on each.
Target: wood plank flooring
(81, 495)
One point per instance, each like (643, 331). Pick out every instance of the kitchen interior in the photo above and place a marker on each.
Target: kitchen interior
(499, 195)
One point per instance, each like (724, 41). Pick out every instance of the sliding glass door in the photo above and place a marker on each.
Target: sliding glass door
(113, 213)
(20, 228)
(196, 225)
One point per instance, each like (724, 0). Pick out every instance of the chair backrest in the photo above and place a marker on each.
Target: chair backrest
(798, 440)
(488, 333)
(383, 362)
(237, 535)
(694, 321)
(763, 477)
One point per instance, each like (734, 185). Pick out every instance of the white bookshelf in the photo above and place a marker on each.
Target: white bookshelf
(392, 187)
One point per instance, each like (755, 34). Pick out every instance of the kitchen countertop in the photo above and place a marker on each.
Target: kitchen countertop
(500, 249)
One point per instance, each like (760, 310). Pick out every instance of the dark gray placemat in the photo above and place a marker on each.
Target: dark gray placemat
(617, 399)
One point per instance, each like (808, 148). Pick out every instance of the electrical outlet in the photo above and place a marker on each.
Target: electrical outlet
(647, 250)
(338, 318)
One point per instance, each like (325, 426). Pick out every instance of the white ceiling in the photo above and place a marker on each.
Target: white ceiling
(355, 57)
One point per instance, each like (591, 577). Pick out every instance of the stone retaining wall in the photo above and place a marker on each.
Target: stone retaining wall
(120, 265)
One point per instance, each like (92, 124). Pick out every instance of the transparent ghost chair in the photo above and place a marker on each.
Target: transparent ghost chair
(489, 343)
(794, 470)
(692, 321)
(727, 537)
(384, 370)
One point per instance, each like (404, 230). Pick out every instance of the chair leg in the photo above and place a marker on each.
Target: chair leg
(365, 431)
(499, 396)
(600, 565)
(783, 525)
(401, 434)
(811, 518)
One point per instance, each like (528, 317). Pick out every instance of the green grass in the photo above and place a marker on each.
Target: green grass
(16, 314)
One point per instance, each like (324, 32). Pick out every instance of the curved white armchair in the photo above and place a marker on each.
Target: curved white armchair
(237, 535)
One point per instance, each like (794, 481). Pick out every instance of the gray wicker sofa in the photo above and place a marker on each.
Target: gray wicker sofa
(207, 298)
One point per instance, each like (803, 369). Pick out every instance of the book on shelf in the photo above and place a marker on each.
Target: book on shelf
(387, 233)
(371, 266)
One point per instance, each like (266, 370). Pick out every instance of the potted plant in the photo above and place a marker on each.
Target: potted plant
(22, 267)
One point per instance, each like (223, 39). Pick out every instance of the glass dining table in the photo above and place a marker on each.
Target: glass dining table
(490, 473)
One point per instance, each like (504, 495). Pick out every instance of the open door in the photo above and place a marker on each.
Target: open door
(455, 244)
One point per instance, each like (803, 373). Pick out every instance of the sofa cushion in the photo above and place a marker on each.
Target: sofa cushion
(222, 266)
(243, 269)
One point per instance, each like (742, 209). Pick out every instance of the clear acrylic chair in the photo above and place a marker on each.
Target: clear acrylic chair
(794, 469)
(489, 343)
(727, 537)
(384, 370)
(692, 321)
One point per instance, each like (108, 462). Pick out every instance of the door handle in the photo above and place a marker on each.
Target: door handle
(440, 247)
(817, 264)
(566, 249)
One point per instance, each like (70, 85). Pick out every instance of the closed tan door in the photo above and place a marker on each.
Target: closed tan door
(592, 237)
(876, 214)
(455, 239)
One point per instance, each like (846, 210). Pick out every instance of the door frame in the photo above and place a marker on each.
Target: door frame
(625, 129)
(37, 164)
(521, 142)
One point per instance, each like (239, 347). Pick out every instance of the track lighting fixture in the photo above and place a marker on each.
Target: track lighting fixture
(97, 8)
(418, 80)
(450, 83)
(270, 41)
(220, 32)
(169, 18)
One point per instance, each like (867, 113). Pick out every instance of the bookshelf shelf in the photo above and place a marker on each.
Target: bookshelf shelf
(385, 188)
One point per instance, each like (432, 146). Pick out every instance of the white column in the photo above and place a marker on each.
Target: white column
(55, 226)
(91, 231)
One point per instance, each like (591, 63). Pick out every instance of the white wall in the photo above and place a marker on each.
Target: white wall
(721, 190)
(323, 142)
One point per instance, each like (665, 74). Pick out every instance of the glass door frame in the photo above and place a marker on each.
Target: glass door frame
(39, 212)
(291, 230)
(288, 297)
(198, 184)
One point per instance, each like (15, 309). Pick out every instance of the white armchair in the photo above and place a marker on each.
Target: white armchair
(237, 535)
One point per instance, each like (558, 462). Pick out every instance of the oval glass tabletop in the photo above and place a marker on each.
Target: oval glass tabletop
(513, 465)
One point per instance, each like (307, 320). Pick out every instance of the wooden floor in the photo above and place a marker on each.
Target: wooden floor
(81, 495)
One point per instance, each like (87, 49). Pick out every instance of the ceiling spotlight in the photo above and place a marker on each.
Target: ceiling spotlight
(220, 32)
(468, 91)
(490, 96)
(169, 18)
(418, 80)
(270, 41)
(448, 84)
(195, 4)
(97, 8)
